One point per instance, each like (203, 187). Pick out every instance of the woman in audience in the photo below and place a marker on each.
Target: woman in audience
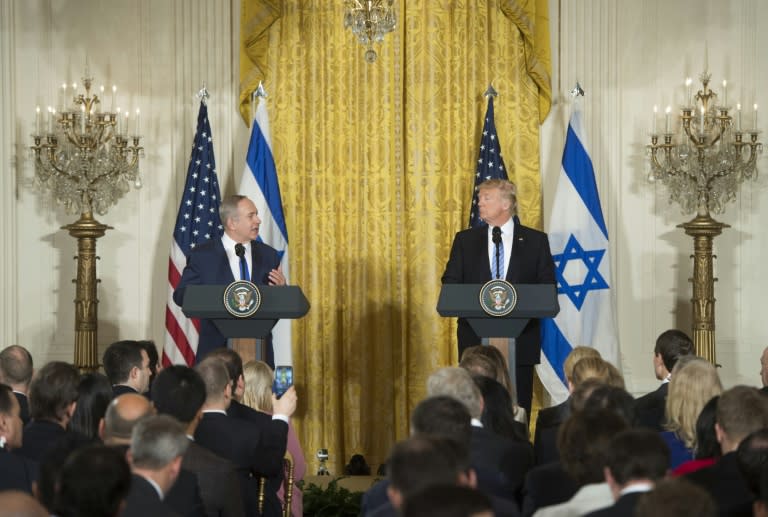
(94, 395)
(497, 410)
(707, 450)
(694, 382)
(488, 361)
(258, 395)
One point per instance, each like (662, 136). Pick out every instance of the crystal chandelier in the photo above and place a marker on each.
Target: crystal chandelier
(369, 20)
(86, 158)
(705, 162)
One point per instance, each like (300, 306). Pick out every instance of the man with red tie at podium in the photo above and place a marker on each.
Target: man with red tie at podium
(236, 256)
(503, 249)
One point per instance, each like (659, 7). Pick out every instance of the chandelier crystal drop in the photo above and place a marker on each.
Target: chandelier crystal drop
(369, 20)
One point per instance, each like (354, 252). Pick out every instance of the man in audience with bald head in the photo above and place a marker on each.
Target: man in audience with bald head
(16, 370)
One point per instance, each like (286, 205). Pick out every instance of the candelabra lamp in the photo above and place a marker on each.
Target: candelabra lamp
(703, 163)
(84, 156)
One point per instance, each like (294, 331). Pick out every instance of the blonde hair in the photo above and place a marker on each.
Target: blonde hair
(488, 361)
(596, 368)
(507, 190)
(258, 378)
(578, 353)
(694, 382)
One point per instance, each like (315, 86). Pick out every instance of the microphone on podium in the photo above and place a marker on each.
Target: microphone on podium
(496, 237)
(240, 250)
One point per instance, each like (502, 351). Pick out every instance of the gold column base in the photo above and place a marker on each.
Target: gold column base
(86, 230)
(703, 229)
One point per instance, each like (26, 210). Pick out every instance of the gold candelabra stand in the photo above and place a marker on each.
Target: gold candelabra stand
(87, 161)
(703, 166)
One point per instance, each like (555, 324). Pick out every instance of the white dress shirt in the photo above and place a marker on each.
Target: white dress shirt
(233, 259)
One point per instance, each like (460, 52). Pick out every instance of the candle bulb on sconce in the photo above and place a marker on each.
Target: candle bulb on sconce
(62, 96)
(701, 122)
(668, 120)
(37, 120)
(114, 91)
(125, 125)
(754, 122)
(738, 117)
(51, 116)
(82, 118)
(725, 93)
(118, 122)
(653, 121)
(688, 98)
(138, 123)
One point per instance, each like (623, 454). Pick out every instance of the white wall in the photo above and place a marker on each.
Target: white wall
(630, 56)
(158, 54)
(627, 54)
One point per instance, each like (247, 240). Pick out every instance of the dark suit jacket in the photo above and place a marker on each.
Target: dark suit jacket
(257, 451)
(24, 406)
(530, 263)
(143, 501)
(546, 485)
(184, 496)
(217, 479)
(16, 472)
(547, 425)
(501, 508)
(728, 488)
(624, 505)
(490, 452)
(40, 436)
(208, 265)
(121, 389)
(649, 408)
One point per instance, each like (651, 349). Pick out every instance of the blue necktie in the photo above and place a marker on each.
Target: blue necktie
(240, 252)
(498, 261)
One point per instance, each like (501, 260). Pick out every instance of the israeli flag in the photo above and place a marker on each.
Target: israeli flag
(260, 184)
(578, 238)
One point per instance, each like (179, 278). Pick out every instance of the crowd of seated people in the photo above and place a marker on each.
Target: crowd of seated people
(212, 441)
(142, 441)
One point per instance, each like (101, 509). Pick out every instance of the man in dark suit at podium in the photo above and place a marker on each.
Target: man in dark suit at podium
(524, 258)
(236, 256)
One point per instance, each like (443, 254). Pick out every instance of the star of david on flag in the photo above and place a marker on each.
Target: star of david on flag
(578, 238)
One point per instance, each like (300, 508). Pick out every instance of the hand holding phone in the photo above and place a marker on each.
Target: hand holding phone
(283, 380)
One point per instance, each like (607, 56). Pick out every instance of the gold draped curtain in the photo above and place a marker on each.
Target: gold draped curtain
(376, 167)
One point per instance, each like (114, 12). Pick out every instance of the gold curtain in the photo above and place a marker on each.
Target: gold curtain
(376, 166)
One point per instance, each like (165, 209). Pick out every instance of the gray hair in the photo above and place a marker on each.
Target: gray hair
(156, 441)
(457, 383)
(228, 208)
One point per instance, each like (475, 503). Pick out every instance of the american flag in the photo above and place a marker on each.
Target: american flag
(490, 165)
(197, 222)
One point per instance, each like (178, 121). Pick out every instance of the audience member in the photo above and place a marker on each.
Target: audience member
(636, 460)
(123, 413)
(154, 359)
(489, 451)
(46, 486)
(16, 370)
(52, 400)
(179, 391)
(14, 503)
(675, 497)
(94, 395)
(158, 444)
(584, 443)
(498, 415)
(596, 368)
(16, 472)
(447, 501)
(422, 461)
(257, 394)
(126, 363)
(234, 364)
(741, 410)
(257, 449)
(614, 399)
(94, 482)
(752, 458)
(488, 361)
(549, 419)
(694, 382)
(670, 345)
(707, 449)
